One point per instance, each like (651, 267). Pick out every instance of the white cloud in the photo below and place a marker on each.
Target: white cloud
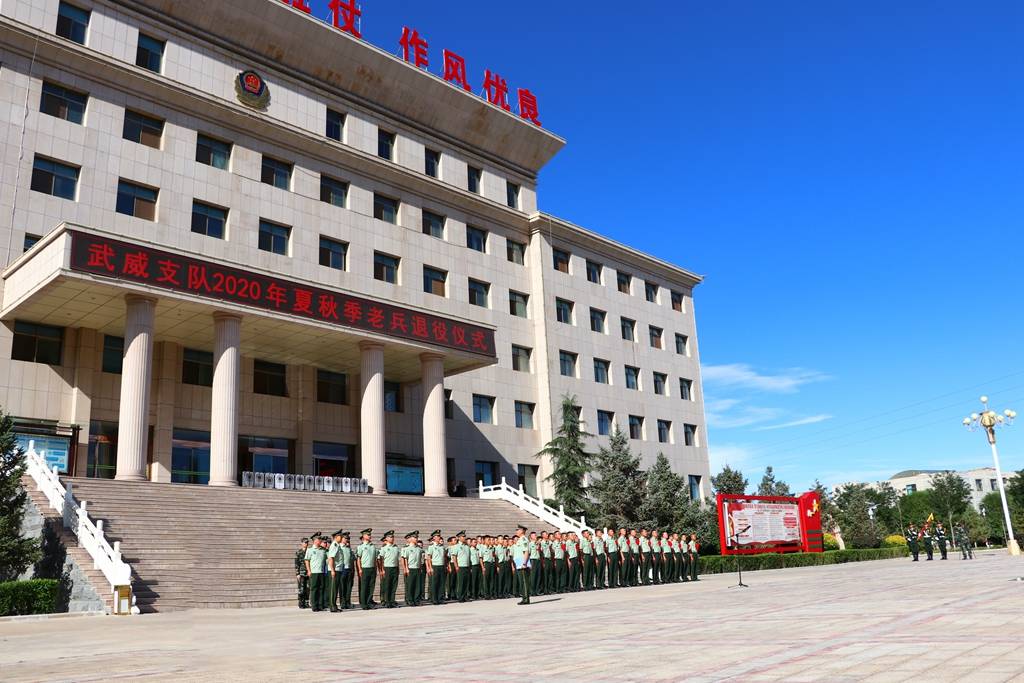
(743, 416)
(736, 456)
(813, 419)
(742, 375)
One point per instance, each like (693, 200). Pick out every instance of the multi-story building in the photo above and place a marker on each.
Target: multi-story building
(237, 238)
(981, 481)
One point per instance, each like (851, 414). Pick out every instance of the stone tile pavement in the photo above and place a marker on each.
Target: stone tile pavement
(872, 621)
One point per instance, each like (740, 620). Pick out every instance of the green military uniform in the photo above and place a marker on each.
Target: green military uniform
(436, 556)
(334, 572)
(611, 547)
(301, 576)
(366, 556)
(462, 569)
(655, 559)
(558, 557)
(522, 548)
(412, 555)
(572, 557)
(317, 558)
(487, 555)
(645, 560)
(963, 541)
(694, 548)
(547, 558)
(535, 567)
(388, 556)
(502, 571)
(348, 570)
(587, 555)
(600, 557)
(476, 572)
(940, 538)
(911, 536)
(634, 561)
(926, 536)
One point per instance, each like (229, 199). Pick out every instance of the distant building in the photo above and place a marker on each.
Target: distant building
(982, 481)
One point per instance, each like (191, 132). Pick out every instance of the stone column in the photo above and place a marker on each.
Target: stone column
(136, 373)
(371, 415)
(435, 478)
(227, 335)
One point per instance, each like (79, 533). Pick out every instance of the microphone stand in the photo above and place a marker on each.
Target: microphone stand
(739, 568)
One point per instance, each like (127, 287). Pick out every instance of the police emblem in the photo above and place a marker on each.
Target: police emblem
(252, 90)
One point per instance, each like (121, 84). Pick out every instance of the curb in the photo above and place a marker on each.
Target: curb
(48, 617)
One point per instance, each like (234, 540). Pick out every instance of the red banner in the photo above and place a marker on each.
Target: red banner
(769, 524)
(134, 263)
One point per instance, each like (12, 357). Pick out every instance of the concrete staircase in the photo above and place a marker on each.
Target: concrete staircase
(203, 546)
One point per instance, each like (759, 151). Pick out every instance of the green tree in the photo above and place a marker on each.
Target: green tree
(888, 513)
(951, 495)
(992, 509)
(770, 486)
(16, 553)
(856, 505)
(1015, 492)
(618, 491)
(829, 511)
(729, 481)
(916, 507)
(701, 518)
(661, 495)
(570, 461)
(976, 525)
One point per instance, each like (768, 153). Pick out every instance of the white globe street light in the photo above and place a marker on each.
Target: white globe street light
(988, 420)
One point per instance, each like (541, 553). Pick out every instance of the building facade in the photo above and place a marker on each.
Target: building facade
(236, 238)
(981, 481)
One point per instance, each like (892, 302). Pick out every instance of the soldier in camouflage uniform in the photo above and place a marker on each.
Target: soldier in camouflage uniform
(301, 577)
(963, 542)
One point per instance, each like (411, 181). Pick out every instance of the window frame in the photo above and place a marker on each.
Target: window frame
(524, 412)
(341, 118)
(474, 179)
(600, 318)
(632, 374)
(564, 304)
(199, 365)
(331, 253)
(206, 209)
(33, 333)
(328, 385)
(211, 145)
(518, 354)
(651, 291)
(666, 435)
(636, 421)
(385, 263)
(386, 144)
(150, 130)
(137, 192)
(514, 249)
(595, 272)
(573, 359)
(623, 323)
(273, 228)
(331, 188)
(473, 234)
(607, 427)
(686, 389)
(56, 177)
(73, 22)
(382, 204)
(660, 382)
(429, 221)
(512, 194)
(605, 367)
(478, 407)
(433, 275)
(269, 378)
(624, 282)
(277, 168)
(655, 336)
(560, 257)
(431, 160)
(139, 49)
(486, 286)
(514, 302)
(63, 97)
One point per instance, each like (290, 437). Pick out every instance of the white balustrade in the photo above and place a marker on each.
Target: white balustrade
(535, 506)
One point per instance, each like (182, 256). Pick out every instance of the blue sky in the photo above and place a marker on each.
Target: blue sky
(848, 177)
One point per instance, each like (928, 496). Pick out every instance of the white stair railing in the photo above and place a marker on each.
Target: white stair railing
(536, 507)
(106, 558)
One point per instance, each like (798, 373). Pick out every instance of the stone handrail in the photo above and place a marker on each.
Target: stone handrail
(535, 506)
(106, 558)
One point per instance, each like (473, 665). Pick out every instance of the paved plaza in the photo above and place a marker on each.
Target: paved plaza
(872, 621)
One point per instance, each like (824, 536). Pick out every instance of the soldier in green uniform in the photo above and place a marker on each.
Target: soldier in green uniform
(387, 569)
(645, 557)
(348, 570)
(475, 570)
(487, 568)
(587, 559)
(677, 567)
(501, 568)
(535, 568)
(452, 569)
(462, 567)
(911, 535)
(315, 561)
(694, 557)
(963, 541)
(599, 558)
(547, 552)
(558, 562)
(411, 559)
(940, 538)
(623, 557)
(366, 568)
(634, 558)
(521, 552)
(572, 563)
(926, 536)
(301, 575)
(611, 548)
(334, 571)
(655, 557)
(436, 567)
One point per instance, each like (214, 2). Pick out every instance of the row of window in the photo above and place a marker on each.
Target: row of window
(565, 313)
(624, 280)
(73, 24)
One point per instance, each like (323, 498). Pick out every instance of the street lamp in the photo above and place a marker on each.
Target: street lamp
(988, 420)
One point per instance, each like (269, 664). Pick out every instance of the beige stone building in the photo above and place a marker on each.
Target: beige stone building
(235, 238)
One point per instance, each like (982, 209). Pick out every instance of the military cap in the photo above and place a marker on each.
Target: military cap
(316, 534)
(437, 532)
(305, 540)
(339, 532)
(346, 535)
(410, 535)
(522, 527)
(390, 532)
(366, 531)
(461, 533)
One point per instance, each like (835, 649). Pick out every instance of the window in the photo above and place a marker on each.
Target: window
(213, 152)
(333, 254)
(54, 178)
(331, 387)
(274, 237)
(512, 195)
(72, 22)
(664, 431)
(38, 343)
(335, 125)
(393, 397)
(150, 53)
(65, 104)
(628, 329)
(30, 241)
(605, 420)
(385, 209)
(636, 427)
(978, 486)
(276, 173)
(677, 301)
(190, 456)
(632, 377)
(386, 145)
(655, 335)
(449, 405)
(479, 293)
(682, 345)
(434, 280)
(515, 251)
(659, 383)
(524, 415)
(385, 268)
(433, 224)
(432, 163)
(517, 302)
(651, 292)
(690, 435)
(910, 488)
(563, 311)
(624, 282)
(475, 174)
(333, 191)
(594, 271)
(992, 484)
(476, 239)
(601, 370)
(686, 389)
(483, 409)
(269, 378)
(136, 200)
(334, 459)
(695, 486)
(208, 220)
(197, 368)
(567, 363)
(597, 318)
(561, 260)
(487, 473)
(521, 358)
(142, 129)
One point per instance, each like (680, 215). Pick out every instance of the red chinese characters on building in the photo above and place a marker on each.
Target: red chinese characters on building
(303, 301)
(299, 5)
(455, 70)
(169, 271)
(528, 106)
(100, 256)
(497, 90)
(414, 47)
(344, 16)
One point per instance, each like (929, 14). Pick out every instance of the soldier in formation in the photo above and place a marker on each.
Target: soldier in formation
(940, 539)
(963, 541)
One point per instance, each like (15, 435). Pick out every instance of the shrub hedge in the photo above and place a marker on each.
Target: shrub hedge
(36, 596)
(720, 564)
(894, 541)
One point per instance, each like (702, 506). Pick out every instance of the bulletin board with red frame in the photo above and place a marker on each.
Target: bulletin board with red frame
(749, 525)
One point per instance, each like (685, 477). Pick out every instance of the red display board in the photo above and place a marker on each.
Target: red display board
(748, 525)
